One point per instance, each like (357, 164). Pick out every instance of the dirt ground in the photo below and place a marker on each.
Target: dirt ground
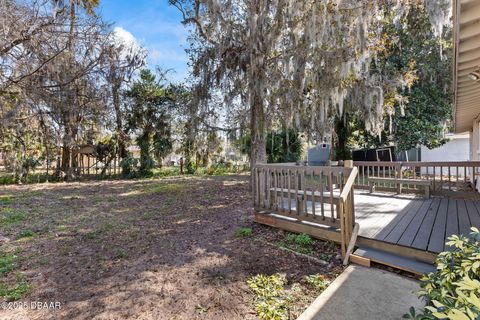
(143, 249)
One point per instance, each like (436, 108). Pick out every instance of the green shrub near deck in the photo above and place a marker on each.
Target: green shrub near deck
(453, 291)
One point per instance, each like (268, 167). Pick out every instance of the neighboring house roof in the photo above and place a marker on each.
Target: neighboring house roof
(466, 14)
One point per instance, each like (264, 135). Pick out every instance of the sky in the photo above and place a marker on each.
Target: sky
(156, 26)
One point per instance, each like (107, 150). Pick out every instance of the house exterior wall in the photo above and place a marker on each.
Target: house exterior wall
(474, 141)
(457, 149)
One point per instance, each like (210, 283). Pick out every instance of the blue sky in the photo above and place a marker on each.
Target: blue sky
(156, 26)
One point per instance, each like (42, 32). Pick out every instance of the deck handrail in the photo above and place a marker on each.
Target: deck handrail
(447, 177)
(349, 183)
(317, 194)
(419, 163)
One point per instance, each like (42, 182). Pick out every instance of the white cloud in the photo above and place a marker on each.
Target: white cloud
(125, 38)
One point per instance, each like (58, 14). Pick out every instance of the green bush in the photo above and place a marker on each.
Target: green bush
(302, 239)
(128, 165)
(317, 282)
(271, 301)
(453, 291)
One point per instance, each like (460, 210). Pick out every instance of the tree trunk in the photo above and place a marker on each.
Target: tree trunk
(256, 83)
(257, 126)
(122, 149)
(342, 152)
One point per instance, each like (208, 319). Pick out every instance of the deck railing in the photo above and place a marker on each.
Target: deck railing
(447, 177)
(321, 195)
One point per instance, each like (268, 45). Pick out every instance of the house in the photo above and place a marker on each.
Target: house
(466, 14)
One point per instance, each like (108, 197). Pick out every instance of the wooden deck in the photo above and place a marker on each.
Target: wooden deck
(414, 222)
(400, 230)
(408, 220)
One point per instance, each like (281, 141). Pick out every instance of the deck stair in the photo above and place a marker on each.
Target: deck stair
(365, 255)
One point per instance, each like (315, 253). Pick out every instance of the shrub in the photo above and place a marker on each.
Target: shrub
(453, 291)
(128, 165)
(270, 298)
(302, 239)
(317, 282)
(243, 232)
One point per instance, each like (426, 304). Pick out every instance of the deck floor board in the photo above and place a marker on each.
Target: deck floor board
(437, 238)
(474, 218)
(411, 231)
(452, 219)
(397, 232)
(463, 218)
(423, 235)
(416, 222)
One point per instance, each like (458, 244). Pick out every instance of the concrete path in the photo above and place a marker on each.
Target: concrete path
(365, 293)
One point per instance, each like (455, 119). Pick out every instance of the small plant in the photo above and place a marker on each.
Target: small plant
(317, 282)
(121, 254)
(243, 232)
(302, 239)
(271, 300)
(14, 292)
(453, 291)
(7, 262)
(26, 234)
(298, 242)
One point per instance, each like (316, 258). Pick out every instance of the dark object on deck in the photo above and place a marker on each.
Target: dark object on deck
(379, 154)
(318, 155)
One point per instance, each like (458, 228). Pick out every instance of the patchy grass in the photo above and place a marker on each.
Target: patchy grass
(15, 291)
(13, 285)
(91, 235)
(6, 199)
(171, 238)
(62, 228)
(26, 234)
(301, 243)
(8, 262)
(10, 216)
(243, 232)
(175, 188)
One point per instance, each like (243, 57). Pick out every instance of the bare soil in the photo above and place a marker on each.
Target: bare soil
(145, 249)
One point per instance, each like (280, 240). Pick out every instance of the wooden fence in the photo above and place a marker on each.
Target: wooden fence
(322, 195)
(447, 177)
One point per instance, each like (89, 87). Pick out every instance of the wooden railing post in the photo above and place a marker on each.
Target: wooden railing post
(346, 209)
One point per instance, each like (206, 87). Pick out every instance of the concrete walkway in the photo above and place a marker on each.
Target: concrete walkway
(365, 293)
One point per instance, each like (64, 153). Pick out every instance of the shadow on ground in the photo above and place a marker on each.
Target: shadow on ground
(146, 249)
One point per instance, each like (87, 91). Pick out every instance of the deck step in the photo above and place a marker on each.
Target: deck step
(394, 261)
